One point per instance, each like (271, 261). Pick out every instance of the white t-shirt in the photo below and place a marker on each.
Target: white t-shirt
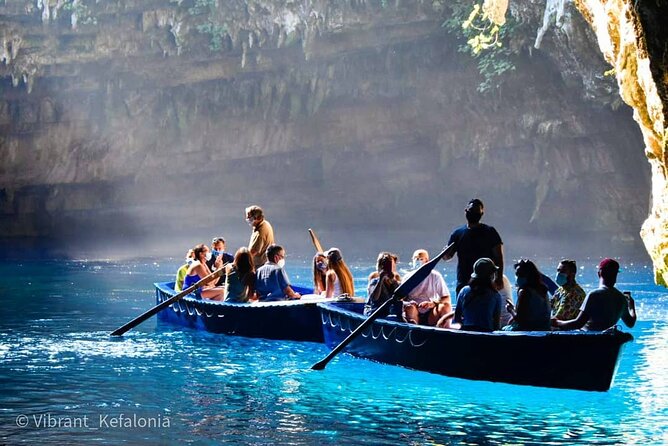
(431, 288)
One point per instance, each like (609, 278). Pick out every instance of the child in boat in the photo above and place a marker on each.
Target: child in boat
(338, 279)
(240, 277)
(198, 270)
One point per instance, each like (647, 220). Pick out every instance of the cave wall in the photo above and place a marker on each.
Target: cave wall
(336, 113)
(633, 38)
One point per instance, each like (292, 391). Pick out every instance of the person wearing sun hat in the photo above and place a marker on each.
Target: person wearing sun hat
(478, 303)
(604, 306)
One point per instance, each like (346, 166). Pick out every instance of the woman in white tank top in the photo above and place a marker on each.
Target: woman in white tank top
(339, 280)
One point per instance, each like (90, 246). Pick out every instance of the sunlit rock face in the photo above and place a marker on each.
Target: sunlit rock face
(633, 37)
(328, 114)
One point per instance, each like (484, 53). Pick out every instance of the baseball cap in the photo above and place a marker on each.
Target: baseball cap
(609, 264)
(483, 268)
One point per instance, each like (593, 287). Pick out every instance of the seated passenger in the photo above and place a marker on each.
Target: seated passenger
(339, 280)
(198, 270)
(271, 281)
(379, 260)
(381, 288)
(568, 298)
(240, 277)
(533, 308)
(428, 302)
(319, 272)
(603, 307)
(219, 257)
(181, 272)
(478, 303)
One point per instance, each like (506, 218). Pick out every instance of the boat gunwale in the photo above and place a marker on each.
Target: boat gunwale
(615, 332)
(165, 287)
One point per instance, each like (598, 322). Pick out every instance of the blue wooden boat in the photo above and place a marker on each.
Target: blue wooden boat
(295, 320)
(571, 360)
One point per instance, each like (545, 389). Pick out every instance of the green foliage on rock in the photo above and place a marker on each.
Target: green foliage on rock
(483, 40)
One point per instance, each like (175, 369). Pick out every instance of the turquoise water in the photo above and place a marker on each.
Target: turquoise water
(76, 385)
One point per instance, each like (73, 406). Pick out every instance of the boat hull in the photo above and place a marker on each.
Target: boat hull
(572, 360)
(288, 320)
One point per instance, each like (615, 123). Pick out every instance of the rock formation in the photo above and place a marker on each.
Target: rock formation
(116, 115)
(633, 37)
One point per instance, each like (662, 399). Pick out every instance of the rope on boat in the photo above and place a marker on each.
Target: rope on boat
(396, 338)
(208, 315)
(387, 337)
(188, 309)
(335, 320)
(379, 333)
(199, 313)
(413, 344)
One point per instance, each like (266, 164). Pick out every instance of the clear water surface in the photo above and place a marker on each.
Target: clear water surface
(70, 383)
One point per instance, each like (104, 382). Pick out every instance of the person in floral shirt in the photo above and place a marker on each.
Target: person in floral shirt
(569, 296)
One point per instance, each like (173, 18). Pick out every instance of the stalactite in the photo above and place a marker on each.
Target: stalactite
(553, 9)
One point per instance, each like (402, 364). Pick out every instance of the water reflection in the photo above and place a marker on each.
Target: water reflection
(57, 357)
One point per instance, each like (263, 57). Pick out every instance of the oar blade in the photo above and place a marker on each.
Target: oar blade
(320, 365)
(147, 314)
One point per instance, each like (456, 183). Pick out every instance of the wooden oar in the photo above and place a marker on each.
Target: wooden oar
(403, 289)
(142, 317)
(316, 242)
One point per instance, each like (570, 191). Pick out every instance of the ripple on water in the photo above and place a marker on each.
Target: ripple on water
(221, 388)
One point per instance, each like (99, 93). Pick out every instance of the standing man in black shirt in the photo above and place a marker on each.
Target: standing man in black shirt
(473, 241)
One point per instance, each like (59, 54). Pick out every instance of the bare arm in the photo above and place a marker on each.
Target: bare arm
(330, 279)
(288, 291)
(629, 315)
(573, 324)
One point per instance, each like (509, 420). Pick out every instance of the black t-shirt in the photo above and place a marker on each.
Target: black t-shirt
(472, 244)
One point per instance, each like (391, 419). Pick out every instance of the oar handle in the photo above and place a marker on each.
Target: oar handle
(399, 293)
(142, 317)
